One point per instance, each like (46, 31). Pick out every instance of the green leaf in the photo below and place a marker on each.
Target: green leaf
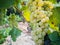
(19, 18)
(3, 35)
(57, 15)
(2, 40)
(15, 32)
(2, 16)
(54, 36)
(24, 8)
(55, 43)
(6, 3)
(12, 18)
(55, 18)
(53, 1)
(57, 5)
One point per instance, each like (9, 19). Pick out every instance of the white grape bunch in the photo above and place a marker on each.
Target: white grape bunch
(39, 18)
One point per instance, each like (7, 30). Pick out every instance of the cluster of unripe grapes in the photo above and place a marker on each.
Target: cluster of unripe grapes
(40, 13)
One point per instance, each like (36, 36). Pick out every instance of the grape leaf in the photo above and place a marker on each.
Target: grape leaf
(55, 43)
(2, 40)
(3, 34)
(15, 32)
(54, 36)
(57, 5)
(55, 18)
(6, 3)
(53, 1)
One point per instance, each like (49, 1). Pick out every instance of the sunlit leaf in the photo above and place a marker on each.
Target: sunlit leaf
(53, 1)
(26, 14)
(55, 18)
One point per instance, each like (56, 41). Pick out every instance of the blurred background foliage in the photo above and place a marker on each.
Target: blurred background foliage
(11, 14)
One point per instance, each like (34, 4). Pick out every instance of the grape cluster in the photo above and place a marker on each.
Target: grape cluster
(39, 18)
